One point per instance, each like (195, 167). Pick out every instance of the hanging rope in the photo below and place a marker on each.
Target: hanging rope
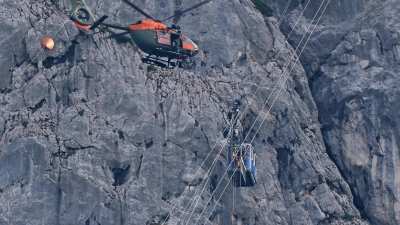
(232, 128)
(208, 174)
(42, 49)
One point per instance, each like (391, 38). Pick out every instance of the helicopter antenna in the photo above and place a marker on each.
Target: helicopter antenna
(179, 13)
(139, 10)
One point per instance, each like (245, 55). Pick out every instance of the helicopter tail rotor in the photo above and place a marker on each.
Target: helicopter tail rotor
(81, 14)
(84, 19)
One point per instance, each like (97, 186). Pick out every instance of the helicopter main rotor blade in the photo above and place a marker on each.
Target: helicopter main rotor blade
(116, 35)
(139, 10)
(179, 13)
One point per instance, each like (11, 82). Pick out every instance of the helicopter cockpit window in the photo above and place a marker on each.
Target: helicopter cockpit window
(187, 40)
(189, 43)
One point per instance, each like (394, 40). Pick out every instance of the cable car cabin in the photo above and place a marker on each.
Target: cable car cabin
(242, 164)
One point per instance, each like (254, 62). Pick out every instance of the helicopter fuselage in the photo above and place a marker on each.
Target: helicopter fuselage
(150, 35)
(157, 39)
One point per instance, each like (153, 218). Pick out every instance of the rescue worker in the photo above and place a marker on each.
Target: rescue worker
(177, 44)
(235, 157)
(234, 153)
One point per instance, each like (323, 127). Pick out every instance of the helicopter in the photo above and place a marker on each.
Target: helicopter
(150, 35)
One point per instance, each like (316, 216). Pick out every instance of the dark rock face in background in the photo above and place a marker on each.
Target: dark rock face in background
(90, 136)
(353, 64)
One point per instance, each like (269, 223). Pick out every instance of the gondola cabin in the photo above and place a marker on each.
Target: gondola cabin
(242, 164)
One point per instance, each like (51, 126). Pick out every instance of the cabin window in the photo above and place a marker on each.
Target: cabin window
(164, 38)
(163, 34)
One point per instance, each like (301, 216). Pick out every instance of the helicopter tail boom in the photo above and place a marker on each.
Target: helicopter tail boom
(98, 22)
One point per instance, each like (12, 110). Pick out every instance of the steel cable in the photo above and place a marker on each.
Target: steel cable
(273, 100)
(258, 87)
(284, 12)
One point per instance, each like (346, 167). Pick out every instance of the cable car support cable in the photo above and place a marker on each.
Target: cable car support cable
(284, 12)
(208, 174)
(241, 116)
(258, 87)
(287, 76)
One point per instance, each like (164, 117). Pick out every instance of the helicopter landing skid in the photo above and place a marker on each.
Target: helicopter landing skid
(159, 62)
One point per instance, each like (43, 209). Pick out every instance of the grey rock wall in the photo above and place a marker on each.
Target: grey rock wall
(90, 136)
(352, 64)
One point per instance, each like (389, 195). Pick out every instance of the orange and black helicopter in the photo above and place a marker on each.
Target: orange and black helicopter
(150, 35)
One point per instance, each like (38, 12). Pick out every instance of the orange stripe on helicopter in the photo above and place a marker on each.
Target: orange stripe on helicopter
(148, 25)
(188, 46)
(83, 27)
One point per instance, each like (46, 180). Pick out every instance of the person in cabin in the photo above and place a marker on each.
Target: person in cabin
(238, 156)
(177, 44)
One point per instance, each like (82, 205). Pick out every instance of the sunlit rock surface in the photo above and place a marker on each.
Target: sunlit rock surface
(90, 135)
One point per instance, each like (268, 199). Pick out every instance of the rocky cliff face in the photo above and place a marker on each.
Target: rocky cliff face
(90, 135)
(353, 65)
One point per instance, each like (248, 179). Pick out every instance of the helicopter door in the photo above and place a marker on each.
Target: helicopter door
(163, 38)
